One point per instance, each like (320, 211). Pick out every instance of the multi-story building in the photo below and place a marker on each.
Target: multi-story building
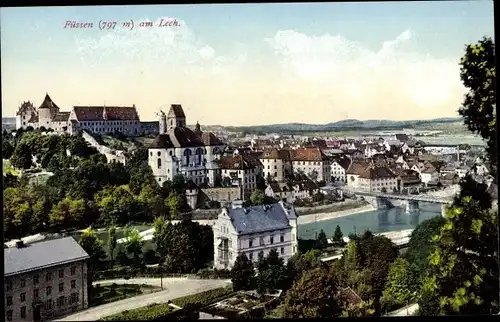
(338, 170)
(312, 162)
(368, 177)
(45, 280)
(252, 230)
(240, 171)
(93, 119)
(277, 164)
(291, 191)
(180, 150)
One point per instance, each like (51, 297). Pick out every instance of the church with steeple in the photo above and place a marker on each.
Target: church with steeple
(179, 150)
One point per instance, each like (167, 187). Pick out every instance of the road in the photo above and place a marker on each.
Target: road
(174, 288)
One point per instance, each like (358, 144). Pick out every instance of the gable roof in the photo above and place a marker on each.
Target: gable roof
(113, 113)
(162, 141)
(48, 103)
(176, 110)
(258, 218)
(61, 117)
(308, 154)
(209, 139)
(43, 254)
(183, 137)
(236, 162)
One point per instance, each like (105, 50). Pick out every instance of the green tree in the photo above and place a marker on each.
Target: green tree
(7, 149)
(321, 241)
(93, 247)
(173, 204)
(420, 245)
(478, 74)
(242, 273)
(22, 157)
(258, 197)
(313, 295)
(133, 245)
(401, 286)
(117, 205)
(162, 235)
(338, 237)
(300, 263)
(112, 242)
(462, 276)
(67, 213)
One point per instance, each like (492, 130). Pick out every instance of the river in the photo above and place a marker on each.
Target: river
(378, 221)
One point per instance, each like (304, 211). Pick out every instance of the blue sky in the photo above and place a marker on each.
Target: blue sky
(247, 64)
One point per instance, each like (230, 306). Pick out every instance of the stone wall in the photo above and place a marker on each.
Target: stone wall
(220, 194)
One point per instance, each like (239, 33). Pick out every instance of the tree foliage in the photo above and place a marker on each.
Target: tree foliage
(338, 237)
(401, 286)
(242, 273)
(322, 240)
(313, 295)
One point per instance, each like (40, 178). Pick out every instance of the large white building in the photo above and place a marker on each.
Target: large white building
(277, 164)
(252, 230)
(93, 119)
(363, 176)
(312, 162)
(180, 150)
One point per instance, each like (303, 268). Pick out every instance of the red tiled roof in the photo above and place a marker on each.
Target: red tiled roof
(308, 154)
(96, 113)
(237, 162)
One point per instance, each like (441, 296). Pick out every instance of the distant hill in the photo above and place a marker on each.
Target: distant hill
(8, 120)
(349, 124)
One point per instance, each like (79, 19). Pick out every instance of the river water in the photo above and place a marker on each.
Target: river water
(378, 221)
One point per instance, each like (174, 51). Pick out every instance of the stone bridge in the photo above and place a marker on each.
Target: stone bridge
(383, 200)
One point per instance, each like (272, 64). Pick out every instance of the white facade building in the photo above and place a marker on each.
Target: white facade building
(252, 230)
(370, 178)
(276, 164)
(312, 162)
(179, 150)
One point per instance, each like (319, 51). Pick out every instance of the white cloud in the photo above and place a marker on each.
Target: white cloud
(394, 77)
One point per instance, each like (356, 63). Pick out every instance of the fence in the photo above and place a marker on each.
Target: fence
(154, 272)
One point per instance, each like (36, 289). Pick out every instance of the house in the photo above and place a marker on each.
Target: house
(429, 175)
(45, 280)
(290, 191)
(449, 179)
(150, 128)
(370, 178)
(180, 150)
(238, 171)
(312, 162)
(338, 170)
(462, 171)
(277, 164)
(252, 230)
(105, 119)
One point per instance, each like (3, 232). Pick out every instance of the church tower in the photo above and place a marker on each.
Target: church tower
(175, 117)
(197, 130)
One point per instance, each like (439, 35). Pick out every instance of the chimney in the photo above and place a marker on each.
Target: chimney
(237, 204)
(20, 244)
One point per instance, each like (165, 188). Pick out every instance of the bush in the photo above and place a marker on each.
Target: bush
(147, 313)
(203, 299)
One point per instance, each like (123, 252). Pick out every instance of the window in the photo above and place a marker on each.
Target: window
(48, 277)
(35, 279)
(23, 282)
(61, 287)
(35, 293)
(22, 297)
(282, 238)
(48, 290)
(73, 284)
(23, 312)
(9, 286)
(250, 244)
(271, 240)
(73, 270)
(159, 153)
(9, 315)
(48, 304)
(61, 273)
(60, 301)
(282, 250)
(158, 163)
(250, 256)
(261, 241)
(9, 300)
(74, 298)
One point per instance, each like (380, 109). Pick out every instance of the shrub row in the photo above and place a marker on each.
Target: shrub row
(130, 272)
(207, 273)
(147, 313)
(163, 311)
(203, 299)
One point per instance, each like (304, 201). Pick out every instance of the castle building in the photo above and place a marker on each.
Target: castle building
(180, 150)
(93, 119)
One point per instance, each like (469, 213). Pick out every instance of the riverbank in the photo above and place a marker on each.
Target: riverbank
(322, 216)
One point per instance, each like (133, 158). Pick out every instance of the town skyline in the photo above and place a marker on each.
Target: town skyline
(271, 65)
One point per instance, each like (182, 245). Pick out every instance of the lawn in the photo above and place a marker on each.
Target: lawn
(107, 293)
